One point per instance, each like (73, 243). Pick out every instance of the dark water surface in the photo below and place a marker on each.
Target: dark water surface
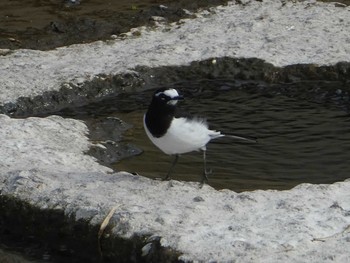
(298, 140)
(303, 136)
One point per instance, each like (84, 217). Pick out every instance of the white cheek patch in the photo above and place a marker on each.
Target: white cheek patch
(172, 102)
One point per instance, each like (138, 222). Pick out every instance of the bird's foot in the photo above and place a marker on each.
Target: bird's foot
(166, 178)
(205, 177)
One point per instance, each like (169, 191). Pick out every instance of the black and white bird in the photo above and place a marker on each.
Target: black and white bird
(174, 134)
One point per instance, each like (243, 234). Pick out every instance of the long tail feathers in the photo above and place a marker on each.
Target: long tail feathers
(216, 134)
(250, 139)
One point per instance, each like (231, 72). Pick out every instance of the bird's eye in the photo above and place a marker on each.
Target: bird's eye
(163, 97)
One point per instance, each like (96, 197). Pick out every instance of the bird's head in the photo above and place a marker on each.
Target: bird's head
(167, 96)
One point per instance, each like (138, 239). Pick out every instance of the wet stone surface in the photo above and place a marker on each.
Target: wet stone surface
(241, 70)
(106, 133)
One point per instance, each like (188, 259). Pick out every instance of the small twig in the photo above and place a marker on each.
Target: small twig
(103, 226)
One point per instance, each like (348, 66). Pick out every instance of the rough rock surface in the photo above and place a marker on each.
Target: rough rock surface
(43, 160)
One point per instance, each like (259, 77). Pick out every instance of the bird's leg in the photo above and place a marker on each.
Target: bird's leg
(206, 172)
(171, 167)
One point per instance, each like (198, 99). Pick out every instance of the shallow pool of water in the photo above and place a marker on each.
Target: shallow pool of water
(300, 139)
(298, 142)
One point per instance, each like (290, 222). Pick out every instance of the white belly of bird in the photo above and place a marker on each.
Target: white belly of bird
(184, 136)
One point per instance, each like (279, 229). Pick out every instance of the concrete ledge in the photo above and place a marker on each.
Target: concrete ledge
(64, 238)
(155, 219)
